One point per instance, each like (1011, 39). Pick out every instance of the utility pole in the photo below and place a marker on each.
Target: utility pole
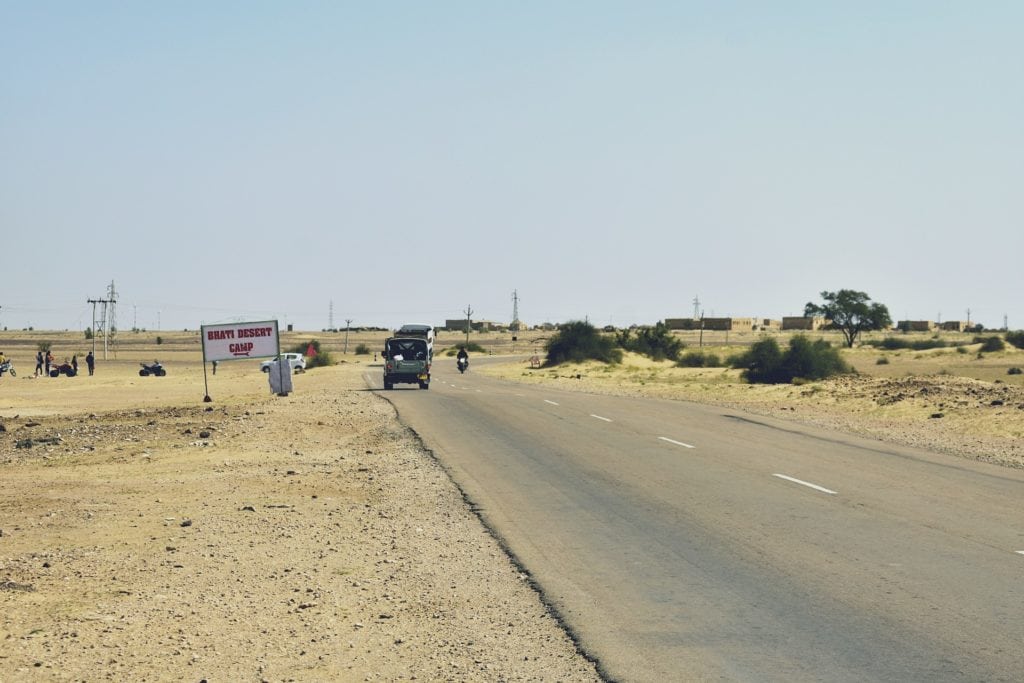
(348, 321)
(468, 312)
(696, 308)
(330, 319)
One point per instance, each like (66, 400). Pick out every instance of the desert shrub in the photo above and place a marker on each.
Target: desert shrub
(1016, 338)
(44, 346)
(895, 343)
(990, 344)
(1014, 371)
(766, 363)
(812, 359)
(362, 350)
(578, 341)
(699, 359)
(88, 333)
(471, 347)
(882, 361)
(159, 340)
(961, 349)
(656, 342)
(760, 364)
(318, 359)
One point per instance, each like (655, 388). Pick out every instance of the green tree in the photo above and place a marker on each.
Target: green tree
(850, 311)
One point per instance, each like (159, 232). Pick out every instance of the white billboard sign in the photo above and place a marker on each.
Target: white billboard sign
(237, 341)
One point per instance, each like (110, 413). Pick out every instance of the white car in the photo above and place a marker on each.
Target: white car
(296, 360)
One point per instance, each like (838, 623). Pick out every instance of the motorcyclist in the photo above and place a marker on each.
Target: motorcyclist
(462, 357)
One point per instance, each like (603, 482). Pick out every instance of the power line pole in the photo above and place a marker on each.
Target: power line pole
(108, 318)
(348, 321)
(468, 312)
(330, 317)
(515, 309)
(95, 329)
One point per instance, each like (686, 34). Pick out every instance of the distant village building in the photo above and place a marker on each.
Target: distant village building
(769, 324)
(955, 326)
(916, 326)
(808, 323)
(718, 324)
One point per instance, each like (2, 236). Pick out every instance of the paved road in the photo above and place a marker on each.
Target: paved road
(685, 542)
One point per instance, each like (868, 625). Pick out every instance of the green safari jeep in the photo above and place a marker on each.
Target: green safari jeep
(406, 361)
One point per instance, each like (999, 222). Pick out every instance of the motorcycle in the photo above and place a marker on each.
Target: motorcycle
(154, 368)
(463, 363)
(7, 367)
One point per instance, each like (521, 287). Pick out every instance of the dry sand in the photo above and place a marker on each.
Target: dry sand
(147, 536)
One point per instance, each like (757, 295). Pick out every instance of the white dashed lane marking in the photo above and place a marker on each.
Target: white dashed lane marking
(551, 402)
(806, 483)
(677, 443)
(598, 417)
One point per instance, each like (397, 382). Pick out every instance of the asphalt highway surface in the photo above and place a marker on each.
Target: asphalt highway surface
(683, 542)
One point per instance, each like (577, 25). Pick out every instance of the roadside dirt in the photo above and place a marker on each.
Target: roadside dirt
(306, 538)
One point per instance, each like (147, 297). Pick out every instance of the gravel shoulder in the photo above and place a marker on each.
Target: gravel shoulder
(306, 538)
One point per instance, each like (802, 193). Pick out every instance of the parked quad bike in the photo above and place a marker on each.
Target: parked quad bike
(154, 368)
(63, 369)
(6, 366)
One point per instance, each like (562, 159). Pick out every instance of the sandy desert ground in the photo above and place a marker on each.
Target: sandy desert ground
(149, 536)
(146, 535)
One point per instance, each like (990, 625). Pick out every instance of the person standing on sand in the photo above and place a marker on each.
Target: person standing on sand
(49, 359)
(90, 362)
(39, 363)
(74, 363)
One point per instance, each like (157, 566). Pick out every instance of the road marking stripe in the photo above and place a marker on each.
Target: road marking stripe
(1020, 552)
(600, 418)
(551, 402)
(678, 443)
(805, 483)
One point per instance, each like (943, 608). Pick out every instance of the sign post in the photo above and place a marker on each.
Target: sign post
(238, 341)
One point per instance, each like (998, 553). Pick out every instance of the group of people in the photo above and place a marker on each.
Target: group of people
(44, 359)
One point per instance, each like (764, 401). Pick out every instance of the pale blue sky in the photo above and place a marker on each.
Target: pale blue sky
(610, 160)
